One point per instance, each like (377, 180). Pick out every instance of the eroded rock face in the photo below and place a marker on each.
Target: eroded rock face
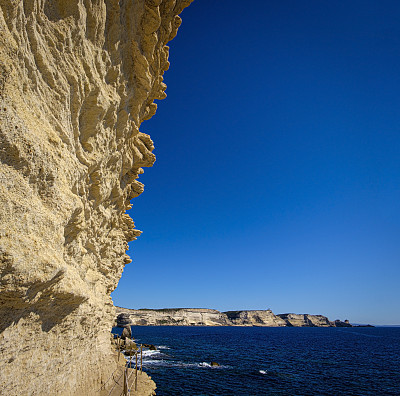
(212, 317)
(171, 317)
(77, 78)
(306, 320)
(255, 318)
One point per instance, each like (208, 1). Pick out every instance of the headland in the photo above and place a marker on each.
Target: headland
(212, 317)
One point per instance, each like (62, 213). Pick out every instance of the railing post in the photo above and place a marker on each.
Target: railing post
(119, 349)
(125, 383)
(141, 358)
(136, 373)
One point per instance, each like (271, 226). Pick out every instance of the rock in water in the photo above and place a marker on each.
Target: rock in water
(126, 332)
(77, 78)
(130, 346)
(150, 346)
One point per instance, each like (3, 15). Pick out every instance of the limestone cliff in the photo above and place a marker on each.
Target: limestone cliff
(306, 320)
(77, 78)
(172, 317)
(255, 318)
(212, 317)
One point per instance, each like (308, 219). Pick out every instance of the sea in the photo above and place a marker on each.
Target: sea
(271, 360)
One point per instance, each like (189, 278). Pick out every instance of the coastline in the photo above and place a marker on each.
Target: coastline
(213, 317)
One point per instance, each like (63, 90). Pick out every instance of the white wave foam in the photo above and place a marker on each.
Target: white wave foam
(149, 353)
(157, 358)
(208, 365)
(174, 363)
(144, 353)
(263, 372)
(163, 347)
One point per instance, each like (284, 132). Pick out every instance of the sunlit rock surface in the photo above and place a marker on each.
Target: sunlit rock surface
(306, 320)
(255, 318)
(212, 317)
(171, 317)
(77, 78)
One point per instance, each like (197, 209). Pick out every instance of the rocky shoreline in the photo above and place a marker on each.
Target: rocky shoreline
(212, 317)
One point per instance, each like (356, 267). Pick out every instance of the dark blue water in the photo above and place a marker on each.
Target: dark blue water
(272, 361)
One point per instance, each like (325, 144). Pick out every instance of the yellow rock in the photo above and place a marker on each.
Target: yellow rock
(77, 78)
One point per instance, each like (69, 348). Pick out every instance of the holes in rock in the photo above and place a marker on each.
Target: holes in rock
(61, 9)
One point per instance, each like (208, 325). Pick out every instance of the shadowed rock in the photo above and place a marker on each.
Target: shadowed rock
(77, 78)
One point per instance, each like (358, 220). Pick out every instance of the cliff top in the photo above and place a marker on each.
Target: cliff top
(165, 310)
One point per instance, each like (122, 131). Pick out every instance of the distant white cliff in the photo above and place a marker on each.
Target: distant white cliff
(212, 317)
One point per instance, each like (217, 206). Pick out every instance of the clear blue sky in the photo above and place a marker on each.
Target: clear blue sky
(277, 180)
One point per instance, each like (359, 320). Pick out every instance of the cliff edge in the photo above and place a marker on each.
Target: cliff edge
(212, 317)
(171, 317)
(77, 79)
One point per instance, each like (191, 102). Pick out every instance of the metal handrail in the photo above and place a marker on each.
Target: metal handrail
(126, 377)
